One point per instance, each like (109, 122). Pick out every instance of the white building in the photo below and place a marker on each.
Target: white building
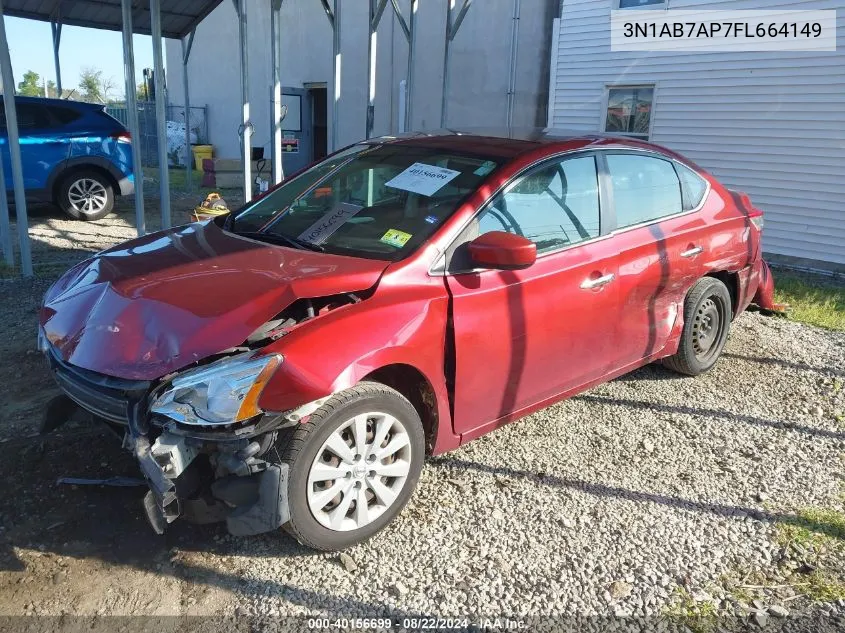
(771, 124)
(480, 60)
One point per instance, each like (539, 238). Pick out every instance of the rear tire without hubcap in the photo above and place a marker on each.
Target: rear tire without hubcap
(353, 466)
(86, 195)
(707, 320)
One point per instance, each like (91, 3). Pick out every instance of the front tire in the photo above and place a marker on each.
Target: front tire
(86, 195)
(353, 466)
(707, 321)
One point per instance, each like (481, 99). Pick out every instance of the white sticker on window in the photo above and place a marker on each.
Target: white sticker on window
(423, 179)
(320, 231)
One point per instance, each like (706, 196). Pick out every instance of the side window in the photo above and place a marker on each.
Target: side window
(693, 186)
(64, 115)
(645, 188)
(31, 117)
(553, 206)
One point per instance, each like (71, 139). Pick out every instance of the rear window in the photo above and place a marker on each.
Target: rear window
(64, 115)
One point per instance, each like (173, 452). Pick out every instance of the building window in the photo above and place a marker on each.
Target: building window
(629, 110)
(633, 4)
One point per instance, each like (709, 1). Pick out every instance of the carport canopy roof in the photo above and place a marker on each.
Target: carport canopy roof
(178, 17)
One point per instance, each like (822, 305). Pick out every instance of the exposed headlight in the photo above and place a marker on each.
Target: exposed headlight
(222, 392)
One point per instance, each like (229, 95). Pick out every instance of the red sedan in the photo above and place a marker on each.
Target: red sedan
(292, 363)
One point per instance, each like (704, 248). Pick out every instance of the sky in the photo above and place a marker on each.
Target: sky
(31, 47)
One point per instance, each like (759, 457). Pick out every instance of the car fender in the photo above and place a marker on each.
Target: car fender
(337, 350)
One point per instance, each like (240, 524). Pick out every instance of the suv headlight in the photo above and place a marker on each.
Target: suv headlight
(223, 392)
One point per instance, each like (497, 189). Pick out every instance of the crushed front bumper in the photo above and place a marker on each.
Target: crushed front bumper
(220, 477)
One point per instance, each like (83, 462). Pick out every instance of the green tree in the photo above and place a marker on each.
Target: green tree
(30, 86)
(52, 90)
(93, 87)
(143, 91)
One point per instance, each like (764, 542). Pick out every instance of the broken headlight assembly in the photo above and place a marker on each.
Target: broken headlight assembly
(223, 392)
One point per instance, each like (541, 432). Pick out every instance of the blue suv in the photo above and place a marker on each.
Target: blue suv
(74, 155)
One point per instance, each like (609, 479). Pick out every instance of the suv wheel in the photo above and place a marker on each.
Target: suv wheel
(353, 466)
(86, 195)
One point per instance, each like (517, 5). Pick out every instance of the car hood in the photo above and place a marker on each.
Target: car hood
(161, 302)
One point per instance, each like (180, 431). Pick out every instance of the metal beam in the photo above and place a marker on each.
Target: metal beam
(514, 53)
(56, 28)
(328, 10)
(132, 114)
(5, 227)
(187, 44)
(246, 123)
(8, 79)
(410, 36)
(161, 114)
(376, 11)
(278, 115)
(335, 19)
(451, 31)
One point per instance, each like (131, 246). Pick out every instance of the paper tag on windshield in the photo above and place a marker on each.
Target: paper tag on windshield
(396, 238)
(422, 179)
(320, 231)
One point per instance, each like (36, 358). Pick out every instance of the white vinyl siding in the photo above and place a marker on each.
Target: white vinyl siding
(771, 124)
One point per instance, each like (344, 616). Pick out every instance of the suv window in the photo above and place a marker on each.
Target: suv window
(645, 188)
(31, 117)
(64, 115)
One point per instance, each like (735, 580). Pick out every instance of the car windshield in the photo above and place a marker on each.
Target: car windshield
(375, 201)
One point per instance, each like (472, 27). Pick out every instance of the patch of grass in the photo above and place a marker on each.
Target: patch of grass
(816, 529)
(812, 299)
(823, 587)
(698, 617)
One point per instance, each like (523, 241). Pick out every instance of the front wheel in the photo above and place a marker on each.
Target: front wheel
(86, 195)
(707, 321)
(353, 466)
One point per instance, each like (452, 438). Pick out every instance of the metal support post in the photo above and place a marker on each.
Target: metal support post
(8, 81)
(278, 115)
(161, 114)
(451, 31)
(376, 10)
(246, 123)
(56, 28)
(187, 43)
(132, 114)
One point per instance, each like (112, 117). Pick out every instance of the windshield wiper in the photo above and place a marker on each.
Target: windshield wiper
(277, 238)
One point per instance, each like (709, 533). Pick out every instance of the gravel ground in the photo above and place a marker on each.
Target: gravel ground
(622, 501)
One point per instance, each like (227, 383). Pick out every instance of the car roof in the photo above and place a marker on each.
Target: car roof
(509, 143)
(67, 103)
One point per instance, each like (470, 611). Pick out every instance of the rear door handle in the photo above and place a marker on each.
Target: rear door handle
(692, 252)
(597, 282)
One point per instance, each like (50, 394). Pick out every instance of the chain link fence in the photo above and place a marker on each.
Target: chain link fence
(147, 137)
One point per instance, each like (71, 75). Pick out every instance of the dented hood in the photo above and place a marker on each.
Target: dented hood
(161, 302)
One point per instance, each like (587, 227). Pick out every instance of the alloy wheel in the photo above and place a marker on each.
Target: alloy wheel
(87, 196)
(359, 471)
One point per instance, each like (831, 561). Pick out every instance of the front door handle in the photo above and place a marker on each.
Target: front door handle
(591, 283)
(692, 252)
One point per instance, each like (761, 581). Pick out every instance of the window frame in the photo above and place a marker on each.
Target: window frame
(607, 204)
(606, 101)
(672, 161)
(654, 6)
(607, 216)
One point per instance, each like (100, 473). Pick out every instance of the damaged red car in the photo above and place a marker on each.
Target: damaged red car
(291, 364)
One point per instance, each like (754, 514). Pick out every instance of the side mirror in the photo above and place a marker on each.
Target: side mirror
(502, 251)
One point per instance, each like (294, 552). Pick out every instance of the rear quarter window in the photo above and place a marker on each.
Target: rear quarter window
(693, 187)
(64, 115)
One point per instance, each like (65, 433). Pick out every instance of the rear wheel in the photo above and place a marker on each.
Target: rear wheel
(86, 195)
(707, 321)
(353, 466)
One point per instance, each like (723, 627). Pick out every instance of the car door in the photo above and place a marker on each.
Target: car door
(661, 242)
(42, 147)
(525, 336)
